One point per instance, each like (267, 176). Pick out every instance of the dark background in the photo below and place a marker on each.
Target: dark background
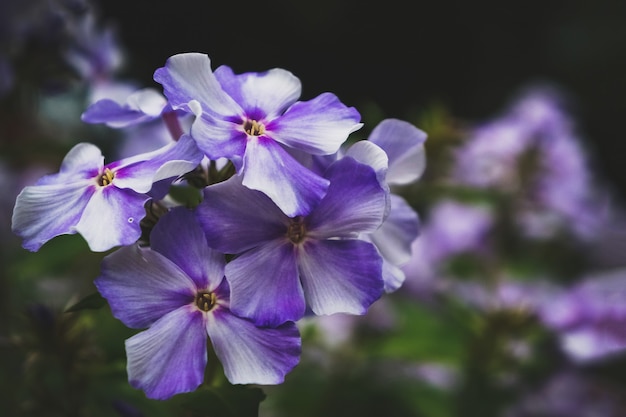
(403, 56)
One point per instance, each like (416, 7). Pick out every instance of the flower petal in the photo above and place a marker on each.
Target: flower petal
(271, 170)
(169, 358)
(111, 218)
(404, 144)
(355, 201)
(188, 77)
(140, 172)
(395, 236)
(251, 354)
(264, 285)
(236, 218)
(178, 237)
(83, 161)
(369, 153)
(44, 211)
(340, 276)
(393, 277)
(142, 285)
(219, 138)
(318, 126)
(261, 94)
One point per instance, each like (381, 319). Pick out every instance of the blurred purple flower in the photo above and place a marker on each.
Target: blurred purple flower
(534, 153)
(589, 317)
(177, 290)
(451, 228)
(571, 394)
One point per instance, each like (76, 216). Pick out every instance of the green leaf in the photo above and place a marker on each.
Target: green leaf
(91, 302)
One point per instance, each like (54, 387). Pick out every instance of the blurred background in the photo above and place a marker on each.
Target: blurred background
(515, 296)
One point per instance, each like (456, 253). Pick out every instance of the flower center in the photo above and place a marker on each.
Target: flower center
(296, 231)
(254, 128)
(106, 178)
(205, 300)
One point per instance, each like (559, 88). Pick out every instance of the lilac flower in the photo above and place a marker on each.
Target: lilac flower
(589, 318)
(285, 264)
(103, 203)
(176, 289)
(252, 118)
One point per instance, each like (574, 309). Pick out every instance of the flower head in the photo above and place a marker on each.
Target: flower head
(103, 203)
(285, 264)
(176, 289)
(253, 119)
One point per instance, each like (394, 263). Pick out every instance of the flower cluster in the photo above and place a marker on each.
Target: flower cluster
(291, 221)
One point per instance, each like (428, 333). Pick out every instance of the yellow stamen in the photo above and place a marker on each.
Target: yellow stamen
(296, 231)
(106, 178)
(254, 128)
(205, 301)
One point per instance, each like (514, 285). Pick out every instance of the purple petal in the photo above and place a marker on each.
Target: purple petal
(141, 286)
(404, 145)
(394, 238)
(83, 161)
(169, 358)
(261, 94)
(264, 284)
(188, 77)
(318, 126)
(271, 170)
(178, 237)
(44, 211)
(340, 276)
(219, 138)
(250, 354)
(393, 277)
(113, 114)
(355, 201)
(140, 172)
(141, 106)
(236, 218)
(369, 153)
(111, 218)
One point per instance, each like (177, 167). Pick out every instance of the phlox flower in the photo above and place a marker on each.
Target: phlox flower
(176, 289)
(286, 264)
(253, 119)
(103, 203)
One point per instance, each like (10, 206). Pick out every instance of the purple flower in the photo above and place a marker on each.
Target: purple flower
(450, 229)
(589, 318)
(253, 119)
(176, 289)
(533, 154)
(285, 263)
(103, 203)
